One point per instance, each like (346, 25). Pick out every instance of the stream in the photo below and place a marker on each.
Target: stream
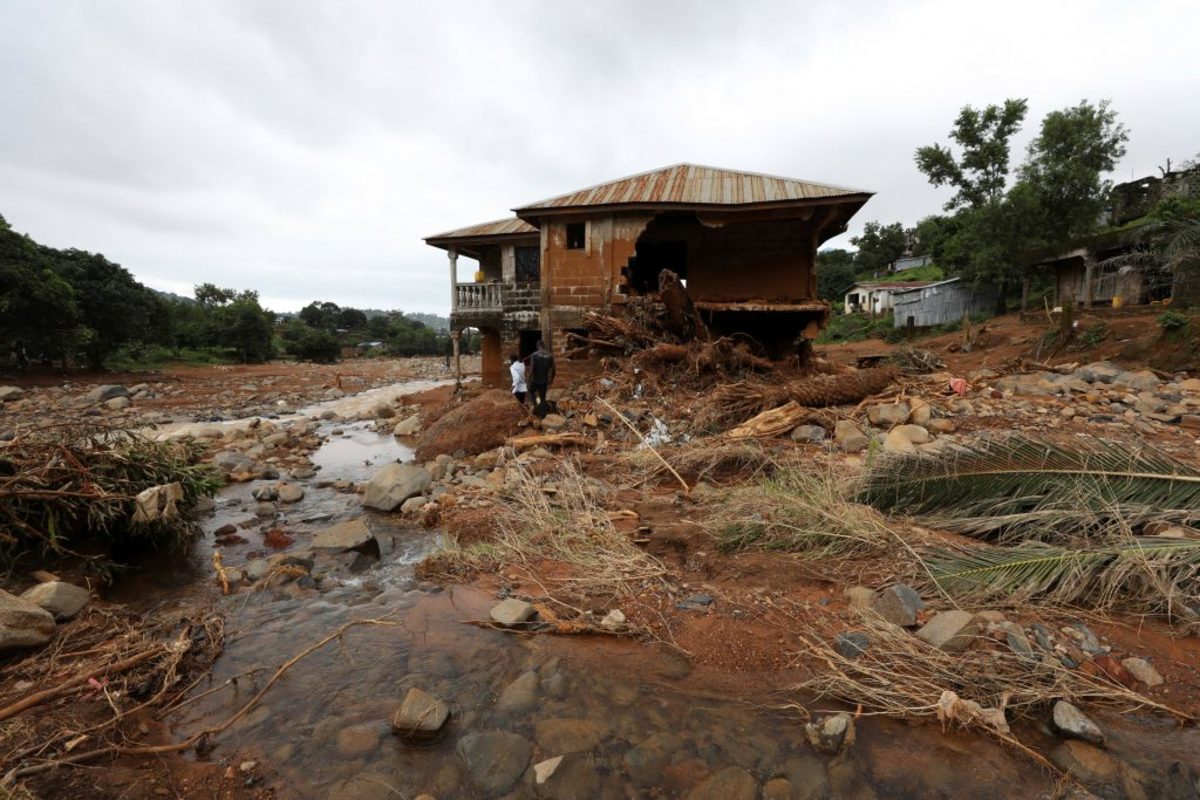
(630, 719)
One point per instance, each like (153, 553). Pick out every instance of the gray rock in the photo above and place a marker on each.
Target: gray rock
(118, 403)
(814, 434)
(63, 600)
(1099, 372)
(832, 734)
(898, 604)
(108, 391)
(1086, 763)
(511, 612)
(646, 761)
(731, 783)
(265, 493)
(1070, 722)
(413, 504)
(351, 535)
(383, 411)
(520, 695)
(420, 715)
(914, 433)
(1142, 380)
(407, 426)
(888, 414)
(950, 631)
(1084, 637)
(10, 393)
(554, 422)
(566, 777)
(22, 623)
(1143, 670)
(1017, 641)
(232, 461)
(494, 759)
(395, 483)
(851, 645)
(897, 442)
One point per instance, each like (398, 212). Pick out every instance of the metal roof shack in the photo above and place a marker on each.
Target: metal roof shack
(939, 303)
(687, 186)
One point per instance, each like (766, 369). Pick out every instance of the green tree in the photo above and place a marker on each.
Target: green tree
(979, 172)
(879, 245)
(1066, 165)
(351, 319)
(310, 344)
(835, 273)
(37, 306)
(236, 321)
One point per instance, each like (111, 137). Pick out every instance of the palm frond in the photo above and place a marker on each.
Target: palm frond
(1012, 483)
(1158, 574)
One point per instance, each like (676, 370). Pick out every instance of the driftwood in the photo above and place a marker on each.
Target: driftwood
(770, 423)
(548, 439)
(682, 318)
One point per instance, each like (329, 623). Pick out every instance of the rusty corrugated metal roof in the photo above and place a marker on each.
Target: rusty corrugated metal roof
(500, 227)
(693, 184)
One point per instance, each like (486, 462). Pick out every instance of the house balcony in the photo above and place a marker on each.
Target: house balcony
(489, 303)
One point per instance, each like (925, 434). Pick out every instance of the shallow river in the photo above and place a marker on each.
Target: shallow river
(630, 719)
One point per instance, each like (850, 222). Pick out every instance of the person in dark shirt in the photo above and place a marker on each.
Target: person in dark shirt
(541, 375)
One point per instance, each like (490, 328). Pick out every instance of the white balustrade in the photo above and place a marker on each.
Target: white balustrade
(479, 296)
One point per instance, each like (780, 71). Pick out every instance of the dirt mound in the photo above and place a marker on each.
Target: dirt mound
(474, 426)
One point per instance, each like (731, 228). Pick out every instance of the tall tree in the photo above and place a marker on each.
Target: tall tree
(835, 273)
(1066, 167)
(980, 172)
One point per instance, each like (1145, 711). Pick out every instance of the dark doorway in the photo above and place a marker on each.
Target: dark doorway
(528, 343)
(652, 258)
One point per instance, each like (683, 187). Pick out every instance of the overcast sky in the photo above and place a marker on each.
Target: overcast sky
(304, 149)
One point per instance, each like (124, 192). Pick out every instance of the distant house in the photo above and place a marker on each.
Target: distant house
(909, 262)
(939, 303)
(362, 348)
(875, 297)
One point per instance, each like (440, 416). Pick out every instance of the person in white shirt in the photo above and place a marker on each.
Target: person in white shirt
(516, 369)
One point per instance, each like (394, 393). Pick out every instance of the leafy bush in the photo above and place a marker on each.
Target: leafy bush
(855, 328)
(1172, 320)
(311, 344)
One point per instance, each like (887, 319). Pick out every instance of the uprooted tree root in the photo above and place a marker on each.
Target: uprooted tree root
(734, 403)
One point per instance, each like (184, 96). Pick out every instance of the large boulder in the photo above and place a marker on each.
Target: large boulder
(22, 623)
(351, 535)
(477, 425)
(107, 391)
(407, 426)
(63, 600)
(395, 483)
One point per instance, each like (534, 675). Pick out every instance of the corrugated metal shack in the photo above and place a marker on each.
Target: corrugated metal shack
(939, 303)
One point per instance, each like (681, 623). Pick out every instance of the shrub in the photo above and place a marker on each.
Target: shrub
(1172, 320)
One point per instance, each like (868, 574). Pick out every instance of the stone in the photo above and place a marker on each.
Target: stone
(357, 741)
(395, 483)
(1190, 421)
(22, 623)
(107, 391)
(10, 393)
(118, 403)
(832, 734)
(543, 770)
(914, 433)
(898, 604)
(1084, 637)
(63, 600)
(421, 714)
(511, 612)
(1071, 723)
(565, 735)
(807, 776)
(553, 423)
(408, 426)
(232, 461)
(289, 493)
(849, 437)
(940, 425)
(859, 597)
(1142, 380)
(520, 695)
(351, 535)
(383, 410)
(851, 645)
(494, 759)
(950, 631)
(1143, 670)
(731, 783)
(645, 761)
(888, 414)
(1017, 641)
(265, 493)
(812, 434)
(412, 505)
(897, 442)
(777, 789)
(1088, 764)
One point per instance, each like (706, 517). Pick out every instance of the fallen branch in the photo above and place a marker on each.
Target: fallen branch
(548, 439)
(49, 694)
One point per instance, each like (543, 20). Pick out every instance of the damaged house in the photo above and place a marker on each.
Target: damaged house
(743, 244)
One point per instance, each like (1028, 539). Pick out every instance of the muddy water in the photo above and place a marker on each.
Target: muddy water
(631, 720)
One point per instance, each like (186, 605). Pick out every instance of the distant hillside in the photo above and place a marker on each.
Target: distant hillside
(172, 296)
(430, 321)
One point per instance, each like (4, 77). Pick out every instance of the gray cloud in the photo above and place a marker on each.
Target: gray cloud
(304, 148)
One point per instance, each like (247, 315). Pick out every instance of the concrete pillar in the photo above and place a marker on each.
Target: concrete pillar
(1089, 265)
(452, 254)
(454, 338)
(492, 367)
